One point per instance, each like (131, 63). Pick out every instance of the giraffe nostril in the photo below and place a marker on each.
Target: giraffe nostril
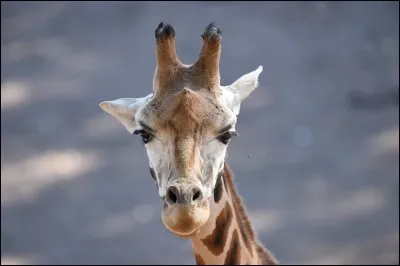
(197, 195)
(172, 194)
(185, 196)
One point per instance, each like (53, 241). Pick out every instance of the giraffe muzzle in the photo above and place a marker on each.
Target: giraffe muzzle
(186, 209)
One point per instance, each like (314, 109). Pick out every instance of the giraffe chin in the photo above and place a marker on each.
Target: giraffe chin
(185, 221)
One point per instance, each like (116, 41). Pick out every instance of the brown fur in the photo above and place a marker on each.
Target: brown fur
(199, 259)
(266, 258)
(171, 74)
(194, 113)
(233, 254)
(186, 110)
(168, 67)
(217, 240)
(186, 123)
(243, 221)
(208, 62)
(167, 79)
(189, 115)
(166, 53)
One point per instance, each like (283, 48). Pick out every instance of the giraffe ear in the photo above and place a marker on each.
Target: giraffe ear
(235, 93)
(124, 110)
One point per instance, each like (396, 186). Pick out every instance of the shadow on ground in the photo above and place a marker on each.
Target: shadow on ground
(318, 174)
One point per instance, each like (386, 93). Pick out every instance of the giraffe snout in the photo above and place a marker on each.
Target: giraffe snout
(184, 195)
(186, 208)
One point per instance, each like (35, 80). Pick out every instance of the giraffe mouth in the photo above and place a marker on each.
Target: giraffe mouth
(185, 221)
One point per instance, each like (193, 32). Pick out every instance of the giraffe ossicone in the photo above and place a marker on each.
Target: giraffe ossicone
(186, 124)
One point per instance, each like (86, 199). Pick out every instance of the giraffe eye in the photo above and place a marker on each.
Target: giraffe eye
(146, 137)
(224, 138)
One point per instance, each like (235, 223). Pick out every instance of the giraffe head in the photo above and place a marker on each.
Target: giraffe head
(185, 124)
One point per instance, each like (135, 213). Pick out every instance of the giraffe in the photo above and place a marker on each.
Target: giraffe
(186, 124)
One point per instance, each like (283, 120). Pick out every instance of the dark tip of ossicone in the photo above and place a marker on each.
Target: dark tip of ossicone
(164, 30)
(212, 32)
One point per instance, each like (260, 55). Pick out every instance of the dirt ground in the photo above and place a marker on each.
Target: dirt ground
(316, 161)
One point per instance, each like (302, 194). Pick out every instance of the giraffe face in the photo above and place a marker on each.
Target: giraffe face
(186, 138)
(185, 125)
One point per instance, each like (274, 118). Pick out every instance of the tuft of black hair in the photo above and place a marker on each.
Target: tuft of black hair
(164, 30)
(212, 32)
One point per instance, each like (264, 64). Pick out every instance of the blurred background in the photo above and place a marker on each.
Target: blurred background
(317, 160)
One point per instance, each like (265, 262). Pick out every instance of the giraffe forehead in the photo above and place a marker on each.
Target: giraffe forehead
(186, 113)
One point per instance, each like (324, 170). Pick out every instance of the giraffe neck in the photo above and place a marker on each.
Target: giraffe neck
(227, 237)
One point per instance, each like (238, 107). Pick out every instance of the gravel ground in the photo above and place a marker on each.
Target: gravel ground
(316, 161)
